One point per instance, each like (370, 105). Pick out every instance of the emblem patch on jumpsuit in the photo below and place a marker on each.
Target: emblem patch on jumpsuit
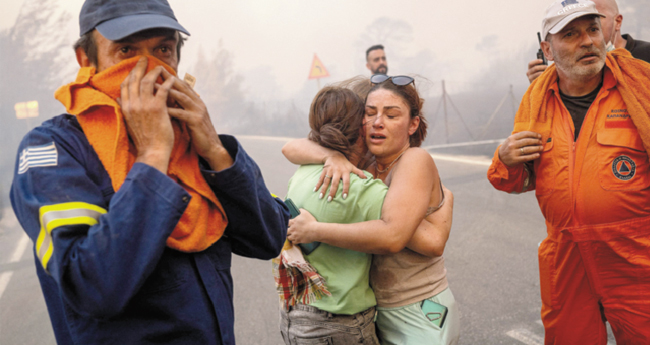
(623, 168)
(38, 156)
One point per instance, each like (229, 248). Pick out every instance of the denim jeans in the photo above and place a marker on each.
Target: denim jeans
(307, 325)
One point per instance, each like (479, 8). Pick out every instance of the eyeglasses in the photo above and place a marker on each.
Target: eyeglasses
(400, 80)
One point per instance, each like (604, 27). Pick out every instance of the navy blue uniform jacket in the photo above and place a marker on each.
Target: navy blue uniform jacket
(105, 271)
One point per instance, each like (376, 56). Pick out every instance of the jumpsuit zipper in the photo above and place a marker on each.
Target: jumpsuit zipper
(572, 151)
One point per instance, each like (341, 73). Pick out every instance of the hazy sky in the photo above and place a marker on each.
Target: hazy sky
(281, 36)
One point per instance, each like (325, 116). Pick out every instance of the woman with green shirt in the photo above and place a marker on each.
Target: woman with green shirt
(347, 316)
(408, 276)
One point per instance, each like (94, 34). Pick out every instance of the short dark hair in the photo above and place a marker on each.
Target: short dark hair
(375, 47)
(89, 46)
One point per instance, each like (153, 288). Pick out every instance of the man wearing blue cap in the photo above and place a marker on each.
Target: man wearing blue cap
(135, 203)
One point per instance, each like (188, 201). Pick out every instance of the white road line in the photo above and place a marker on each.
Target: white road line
(8, 219)
(261, 137)
(467, 160)
(5, 277)
(4, 281)
(468, 143)
(525, 336)
(20, 248)
(542, 324)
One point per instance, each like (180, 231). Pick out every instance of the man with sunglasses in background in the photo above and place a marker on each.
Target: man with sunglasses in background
(581, 140)
(611, 26)
(376, 60)
(135, 203)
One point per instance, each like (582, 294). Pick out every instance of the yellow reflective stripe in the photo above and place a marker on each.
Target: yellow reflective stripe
(40, 239)
(273, 195)
(53, 224)
(46, 257)
(54, 216)
(70, 206)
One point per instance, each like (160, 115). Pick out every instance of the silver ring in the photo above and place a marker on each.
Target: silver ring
(326, 176)
(522, 151)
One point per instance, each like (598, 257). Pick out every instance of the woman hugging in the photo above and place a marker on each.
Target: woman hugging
(403, 284)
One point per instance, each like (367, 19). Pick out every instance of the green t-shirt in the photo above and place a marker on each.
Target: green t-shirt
(345, 271)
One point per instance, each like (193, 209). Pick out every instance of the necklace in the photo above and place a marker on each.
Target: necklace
(379, 172)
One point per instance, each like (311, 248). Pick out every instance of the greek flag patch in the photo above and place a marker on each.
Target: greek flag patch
(38, 156)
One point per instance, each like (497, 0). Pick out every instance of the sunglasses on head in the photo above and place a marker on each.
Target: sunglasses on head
(400, 80)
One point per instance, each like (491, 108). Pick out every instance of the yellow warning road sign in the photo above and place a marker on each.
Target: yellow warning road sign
(318, 70)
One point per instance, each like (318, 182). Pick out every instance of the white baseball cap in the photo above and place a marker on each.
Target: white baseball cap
(562, 12)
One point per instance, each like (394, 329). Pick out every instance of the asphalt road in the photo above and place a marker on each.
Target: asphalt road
(491, 260)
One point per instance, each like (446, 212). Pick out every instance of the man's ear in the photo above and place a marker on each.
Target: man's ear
(619, 22)
(82, 58)
(546, 48)
(368, 66)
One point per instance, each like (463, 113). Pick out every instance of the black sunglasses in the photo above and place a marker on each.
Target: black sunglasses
(400, 80)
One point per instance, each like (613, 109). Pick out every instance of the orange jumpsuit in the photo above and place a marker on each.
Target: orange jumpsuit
(594, 195)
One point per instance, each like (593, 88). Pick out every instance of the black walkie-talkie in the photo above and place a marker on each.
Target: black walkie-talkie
(540, 53)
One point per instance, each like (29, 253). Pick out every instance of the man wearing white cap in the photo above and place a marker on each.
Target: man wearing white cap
(611, 26)
(581, 141)
(133, 202)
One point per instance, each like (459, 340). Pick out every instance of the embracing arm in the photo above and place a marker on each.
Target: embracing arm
(432, 234)
(304, 151)
(404, 208)
(336, 167)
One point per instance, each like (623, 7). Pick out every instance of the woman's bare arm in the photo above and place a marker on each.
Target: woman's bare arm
(404, 208)
(432, 234)
(305, 151)
(336, 166)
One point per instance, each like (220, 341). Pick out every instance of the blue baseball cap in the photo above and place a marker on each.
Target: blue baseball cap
(117, 19)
